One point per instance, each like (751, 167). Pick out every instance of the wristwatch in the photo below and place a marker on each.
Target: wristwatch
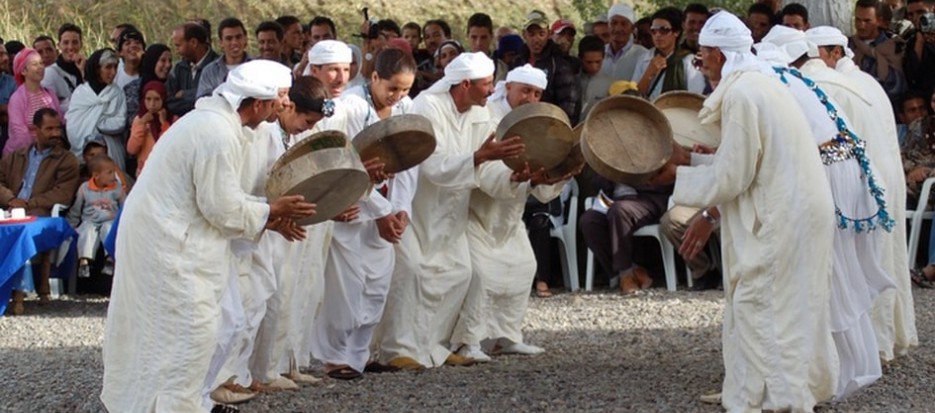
(711, 220)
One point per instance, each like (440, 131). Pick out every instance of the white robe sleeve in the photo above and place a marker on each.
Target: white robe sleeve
(494, 180)
(546, 193)
(694, 79)
(699, 159)
(446, 167)
(402, 189)
(733, 168)
(219, 196)
(374, 206)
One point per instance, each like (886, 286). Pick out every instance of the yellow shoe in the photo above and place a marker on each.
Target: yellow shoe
(406, 363)
(298, 377)
(223, 395)
(456, 360)
(282, 383)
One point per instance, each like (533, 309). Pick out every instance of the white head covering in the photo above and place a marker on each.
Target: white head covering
(622, 10)
(328, 52)
(259, 79)
(828, 36)
(771, 54)
(527, 74)
(467, 66)
(792, 41)
(727, 33)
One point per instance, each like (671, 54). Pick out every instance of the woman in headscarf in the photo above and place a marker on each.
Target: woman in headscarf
(98, 107)
(155, 65)
(447, 52)
(150, 122)
(28, 98)
(357, 76)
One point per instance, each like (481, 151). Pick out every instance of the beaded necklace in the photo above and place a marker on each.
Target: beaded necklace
(856, 149)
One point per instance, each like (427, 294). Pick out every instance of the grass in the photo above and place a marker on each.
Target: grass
(24, 20)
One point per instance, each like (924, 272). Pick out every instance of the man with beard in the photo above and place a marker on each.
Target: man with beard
(163, 338)
(622, 53)
(36, 178)
(545, 54)
(269, 41)
(423, 305)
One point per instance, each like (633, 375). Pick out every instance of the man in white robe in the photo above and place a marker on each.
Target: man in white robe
(893, 313)
(858, 276)
(164, 318)
(423, 304)
(502, 259)
(777, 227)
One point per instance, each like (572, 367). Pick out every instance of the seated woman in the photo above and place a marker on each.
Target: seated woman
(919, 164)
(97, 107)
(28, 98)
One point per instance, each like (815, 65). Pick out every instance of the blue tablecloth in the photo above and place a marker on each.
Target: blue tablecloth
(20, 242)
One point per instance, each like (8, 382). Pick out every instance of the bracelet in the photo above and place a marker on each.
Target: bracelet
(711, 220)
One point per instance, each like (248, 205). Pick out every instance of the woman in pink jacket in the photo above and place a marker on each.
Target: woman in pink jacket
(28, 98)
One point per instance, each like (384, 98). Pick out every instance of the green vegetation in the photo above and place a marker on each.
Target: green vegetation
(25, 19)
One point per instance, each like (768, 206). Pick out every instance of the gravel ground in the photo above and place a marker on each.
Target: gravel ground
(656, 352)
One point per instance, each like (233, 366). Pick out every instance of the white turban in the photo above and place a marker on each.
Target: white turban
(259, 79)
(467, 66)
(622, 10)
(529, 75)
(526, 74)
(727, 33)
(771, 54)
(792, 41)
(828, 36)
(328, 52)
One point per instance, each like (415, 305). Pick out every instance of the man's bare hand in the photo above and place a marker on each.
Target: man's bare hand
(374, 167)
(288, 229)
(349, 214)
(493, 150)
(18, 203)
(696, 236)
(389, 230)
(918, 174)
(291, 207)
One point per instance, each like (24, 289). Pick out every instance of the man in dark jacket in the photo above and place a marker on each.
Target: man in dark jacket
(36, 178)
(191, 44)
(560, 68)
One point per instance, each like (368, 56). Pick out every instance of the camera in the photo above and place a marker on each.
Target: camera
(927, 23)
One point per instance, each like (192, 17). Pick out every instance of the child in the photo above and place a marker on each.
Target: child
(150, 123)
(96, 205)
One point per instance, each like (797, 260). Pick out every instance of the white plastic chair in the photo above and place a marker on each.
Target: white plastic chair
(668, 254)
(55, 284)
(916, 217)
(565, 228)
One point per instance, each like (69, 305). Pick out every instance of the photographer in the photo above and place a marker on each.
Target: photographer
(919, 64)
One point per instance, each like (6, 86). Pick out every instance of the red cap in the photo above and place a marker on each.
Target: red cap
(562, 24)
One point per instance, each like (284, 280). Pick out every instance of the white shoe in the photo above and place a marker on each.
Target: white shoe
(281, 383)
(474, 352)
(521, 348)
(714, 398)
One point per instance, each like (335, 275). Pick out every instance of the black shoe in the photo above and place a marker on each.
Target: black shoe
(710, 281)
(222, 408)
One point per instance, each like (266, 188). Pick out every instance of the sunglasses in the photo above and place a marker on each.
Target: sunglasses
(660, 30)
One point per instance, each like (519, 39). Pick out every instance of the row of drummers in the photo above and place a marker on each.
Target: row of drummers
(625, 139)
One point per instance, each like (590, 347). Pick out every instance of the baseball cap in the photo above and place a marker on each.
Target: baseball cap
(562, 24)
(536, 18)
